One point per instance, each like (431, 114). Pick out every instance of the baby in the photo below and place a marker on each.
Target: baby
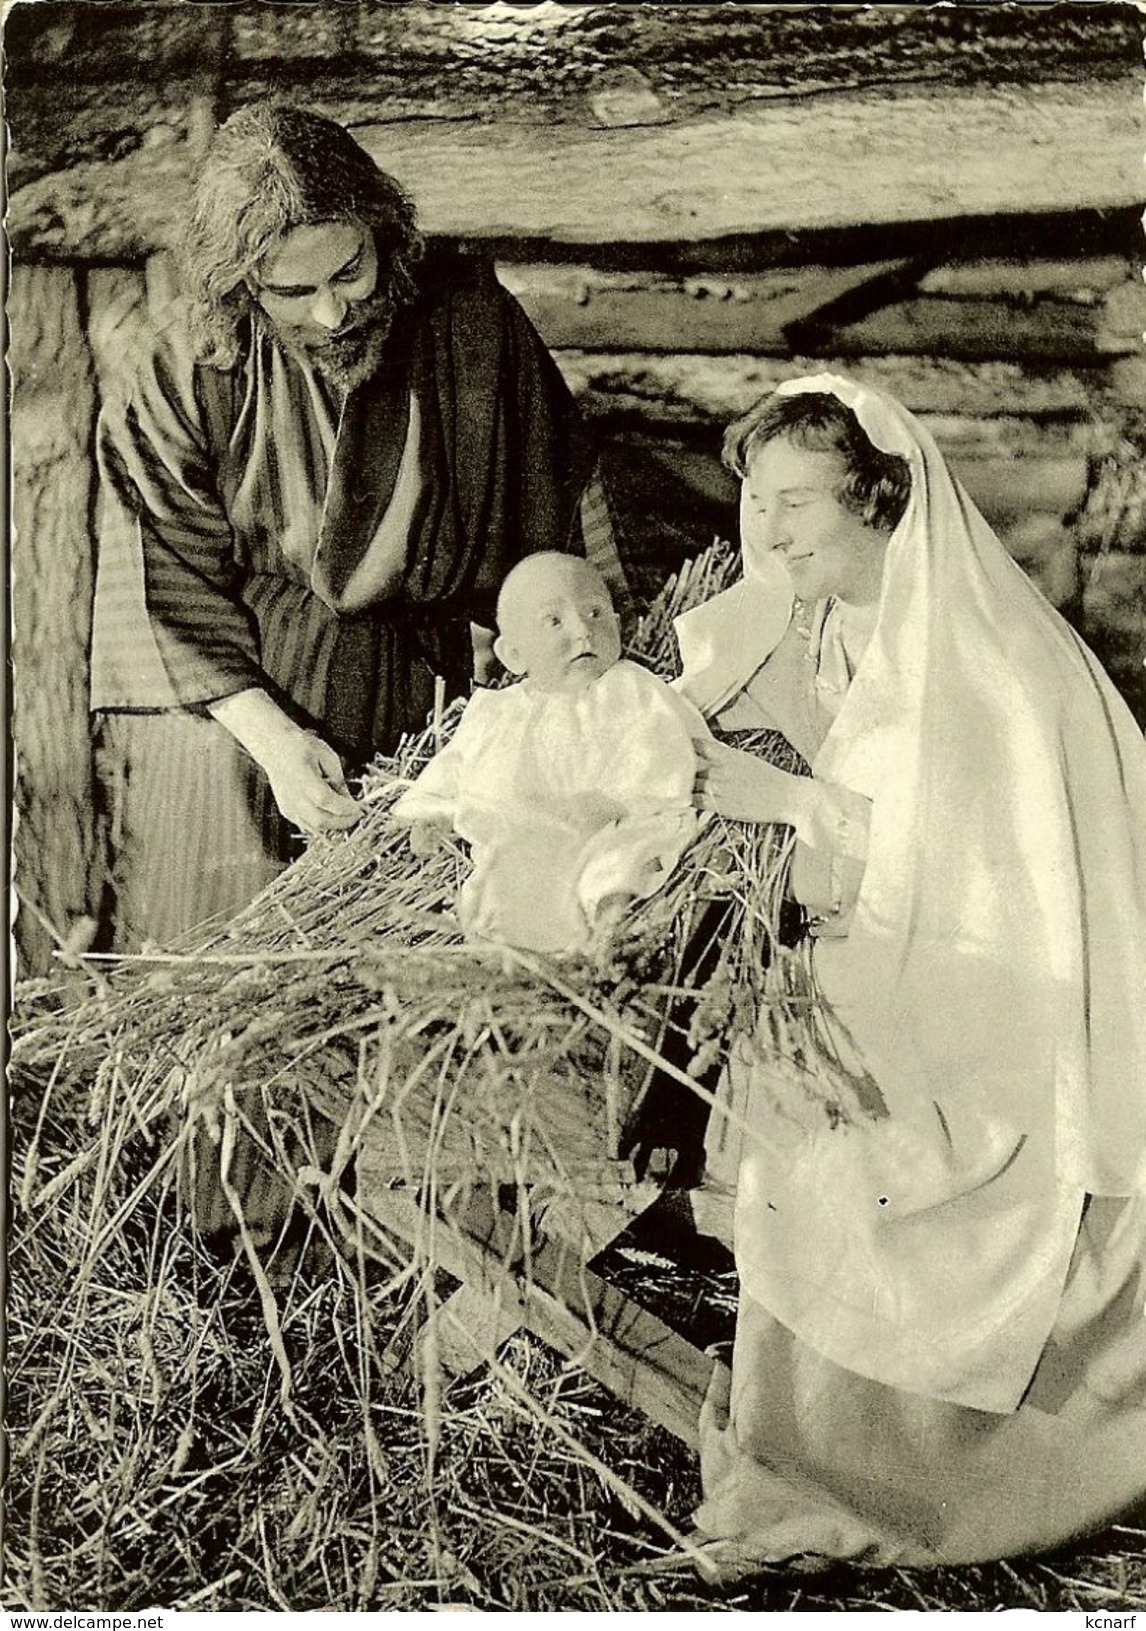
(573, 788)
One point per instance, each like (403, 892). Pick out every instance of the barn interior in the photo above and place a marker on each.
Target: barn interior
(691, 203)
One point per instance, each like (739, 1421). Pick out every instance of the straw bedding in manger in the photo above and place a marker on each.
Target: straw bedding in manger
(203, 1422)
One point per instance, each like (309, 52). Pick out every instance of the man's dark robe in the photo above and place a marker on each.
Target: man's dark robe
(261, 530)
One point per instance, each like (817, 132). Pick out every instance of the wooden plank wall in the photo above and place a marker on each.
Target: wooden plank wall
(51, 581)
(1020, 396)
(691, 203)
(585, 123)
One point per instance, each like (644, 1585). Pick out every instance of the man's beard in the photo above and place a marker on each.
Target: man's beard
(352, 358)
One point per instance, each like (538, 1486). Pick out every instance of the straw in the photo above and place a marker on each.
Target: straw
(230, 1422)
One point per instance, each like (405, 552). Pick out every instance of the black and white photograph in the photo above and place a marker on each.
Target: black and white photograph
(577, 808)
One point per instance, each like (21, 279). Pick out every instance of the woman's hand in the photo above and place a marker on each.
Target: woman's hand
(305, 774)
(606, 926)
(428, 837)
(745, 788)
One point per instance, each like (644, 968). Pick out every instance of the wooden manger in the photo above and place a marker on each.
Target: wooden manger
(491, 1115)
(511, 1164)
(506, 1141)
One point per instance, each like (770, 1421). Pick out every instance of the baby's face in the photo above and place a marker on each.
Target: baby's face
(559, 627)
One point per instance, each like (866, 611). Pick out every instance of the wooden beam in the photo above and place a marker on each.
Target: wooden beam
(1122, 323)
(973, 330)
(576, 306)
(587, 65)
(645, 390)
(637, 63)
(991, 311)
(468, 1328)
(53, 406)
(1084, 279)
(637, 1356)
(878, 160)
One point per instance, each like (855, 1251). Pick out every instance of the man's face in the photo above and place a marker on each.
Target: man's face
(558, 625)
(318, 286)
(788, 504)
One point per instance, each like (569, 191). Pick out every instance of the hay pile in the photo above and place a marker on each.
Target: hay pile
(345, 998)
(231, 1423)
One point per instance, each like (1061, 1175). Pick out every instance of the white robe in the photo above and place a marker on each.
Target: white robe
(566, 799)
(991, 977)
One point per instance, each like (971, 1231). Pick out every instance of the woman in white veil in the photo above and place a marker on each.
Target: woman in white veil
(941, 1346)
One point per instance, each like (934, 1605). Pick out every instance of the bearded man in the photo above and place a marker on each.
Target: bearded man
(315, 478)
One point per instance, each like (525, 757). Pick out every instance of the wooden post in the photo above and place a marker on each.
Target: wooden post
(53, 404)
(547, 1285)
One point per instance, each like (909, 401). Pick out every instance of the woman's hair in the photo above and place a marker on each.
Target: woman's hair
(876, 486)
(271, 168)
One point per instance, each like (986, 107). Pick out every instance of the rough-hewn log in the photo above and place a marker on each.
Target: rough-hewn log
(852, 310)
(1126, 382)
(798, 164)
(578, 307)
(1008, 436)
(52, 407)
(643, 1361)
(105, 211)
(556, 55)
(775, 167)
(107, 124)
(1044, 314)
(1085, 279)
(1122, 326)
(641, 389)
(112, 106)
(1051, 331)
(598, 65)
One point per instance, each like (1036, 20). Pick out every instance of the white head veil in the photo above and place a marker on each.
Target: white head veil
(724, 641)
(999, 942)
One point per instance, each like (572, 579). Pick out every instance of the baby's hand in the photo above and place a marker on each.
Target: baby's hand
(428, 837)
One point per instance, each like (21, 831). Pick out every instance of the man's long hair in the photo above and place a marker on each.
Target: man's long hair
(271, 168)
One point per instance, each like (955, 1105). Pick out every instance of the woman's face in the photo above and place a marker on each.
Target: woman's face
(788, 504)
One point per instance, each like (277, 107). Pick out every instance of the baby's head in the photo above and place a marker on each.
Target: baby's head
(556, 622)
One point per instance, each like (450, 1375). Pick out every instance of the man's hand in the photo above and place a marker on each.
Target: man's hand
(305, 774)
(307, 782)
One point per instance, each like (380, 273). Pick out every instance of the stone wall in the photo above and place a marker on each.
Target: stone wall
(691, 203)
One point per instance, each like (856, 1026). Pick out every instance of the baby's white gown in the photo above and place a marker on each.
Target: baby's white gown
(566, 799)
